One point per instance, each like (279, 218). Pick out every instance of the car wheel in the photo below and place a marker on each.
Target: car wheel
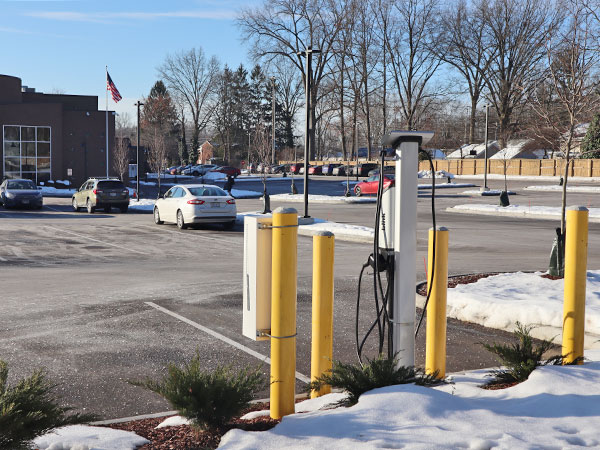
(180, 222)
(75, 207)
(157, 220)
(229, 225)
(123, 209)
(89, 207)
(357, 191)
(196, 173)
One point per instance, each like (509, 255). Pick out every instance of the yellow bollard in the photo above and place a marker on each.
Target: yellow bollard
(435, 347)
(322, 308)
(575, 278)
(283, 311)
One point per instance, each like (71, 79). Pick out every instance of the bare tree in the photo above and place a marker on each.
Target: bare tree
(191, 78)
(285, 28)
(462, 45)
(515, 33)
(570, 81)
(412, 34)
(123, 126)
(289, 92)
(157, 152)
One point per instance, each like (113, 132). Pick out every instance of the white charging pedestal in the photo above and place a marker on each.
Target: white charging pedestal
(406, 145)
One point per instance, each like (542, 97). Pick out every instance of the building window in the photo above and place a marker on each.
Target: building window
(27, 152)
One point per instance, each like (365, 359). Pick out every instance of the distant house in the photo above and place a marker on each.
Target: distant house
(578, 135)
(205, 153)
(475, 151)
(521, 149)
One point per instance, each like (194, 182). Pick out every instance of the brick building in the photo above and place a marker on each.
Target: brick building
(49, 136)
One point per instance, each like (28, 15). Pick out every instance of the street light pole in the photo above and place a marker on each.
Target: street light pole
(137, 151)
(307, 129)
(487, 110)
(273, 119)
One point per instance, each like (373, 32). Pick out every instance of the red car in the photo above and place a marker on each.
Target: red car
(371, 184)
(315, 170)
(228, 170)
(295, 168)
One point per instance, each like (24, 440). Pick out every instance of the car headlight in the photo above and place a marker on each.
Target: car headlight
(10, 195)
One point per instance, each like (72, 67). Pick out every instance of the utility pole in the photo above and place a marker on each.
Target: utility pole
(307, 129)
(487, 110)
(273, 119)
(137, 151)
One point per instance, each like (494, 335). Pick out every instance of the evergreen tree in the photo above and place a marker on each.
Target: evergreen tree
(590, 147)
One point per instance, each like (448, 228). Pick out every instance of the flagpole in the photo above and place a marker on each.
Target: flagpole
(106, 87)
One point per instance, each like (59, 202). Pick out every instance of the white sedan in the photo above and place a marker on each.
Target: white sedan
(195, 203)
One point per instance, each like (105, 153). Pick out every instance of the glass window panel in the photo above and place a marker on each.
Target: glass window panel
(43, 176)
(12, 149)
(12, 134)
(28, 164)
(43, 134)
(12, 164)
(28, 175)
(12, 174)
(27, 133)
(43, 149)
(28, 149)
(43, 163)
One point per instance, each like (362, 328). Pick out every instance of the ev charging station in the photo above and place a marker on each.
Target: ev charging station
(403, 198)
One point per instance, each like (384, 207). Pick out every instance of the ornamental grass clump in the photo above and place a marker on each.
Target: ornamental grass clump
(380, 372)
(29, 409)
(521, 358)
(209, 399)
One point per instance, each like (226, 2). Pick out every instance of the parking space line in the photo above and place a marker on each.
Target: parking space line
(96, 240)
(3, 259)
(225, 339)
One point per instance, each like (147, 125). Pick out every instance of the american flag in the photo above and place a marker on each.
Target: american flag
(116, 96)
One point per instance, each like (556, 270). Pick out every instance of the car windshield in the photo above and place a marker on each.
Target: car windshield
(111, 185)
(20, 184)
(208, 191)
(387, 175)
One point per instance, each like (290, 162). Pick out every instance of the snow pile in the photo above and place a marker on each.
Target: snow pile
(342, 231)
(83, 437)
(555, 408)
(557, 188)
(438, 174)
(299, 198)
(52, 191)
(500, 301)
(142, 205)
(214, 176)
(542, 212)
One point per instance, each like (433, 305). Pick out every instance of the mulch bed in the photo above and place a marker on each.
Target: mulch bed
(184, 437)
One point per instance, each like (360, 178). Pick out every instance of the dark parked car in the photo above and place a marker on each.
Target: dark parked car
(295, 168)
(315, 170)
(281, 168)
(387, 169)
(341, 170)
(362, 170)
(19, 192)
(328, 168)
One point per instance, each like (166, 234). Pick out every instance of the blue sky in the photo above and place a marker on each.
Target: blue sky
(66, 44)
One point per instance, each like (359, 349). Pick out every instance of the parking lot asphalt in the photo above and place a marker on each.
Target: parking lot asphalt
(88, 297)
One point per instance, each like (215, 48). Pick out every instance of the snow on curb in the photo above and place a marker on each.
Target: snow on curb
(499, 301)
(557, 188)
(532, 212)
(299, 198)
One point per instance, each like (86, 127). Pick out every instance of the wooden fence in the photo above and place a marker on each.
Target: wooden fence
(527, 167)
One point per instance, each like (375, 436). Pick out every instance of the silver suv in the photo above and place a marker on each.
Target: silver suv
(104, 193)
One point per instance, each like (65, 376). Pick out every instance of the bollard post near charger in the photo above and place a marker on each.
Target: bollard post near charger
(322, 308)
(283, 311)
(576, 249)
(435, 347)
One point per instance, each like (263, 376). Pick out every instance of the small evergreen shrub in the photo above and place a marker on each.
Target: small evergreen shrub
(209, 399)
(29, 409)
(521, 358)
(380, 372)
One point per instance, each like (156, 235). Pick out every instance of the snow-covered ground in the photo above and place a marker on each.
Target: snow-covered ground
(538, 212)
(299, 198)
(501, 300)
(557, 188)
(490, 192)
(82, 437)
